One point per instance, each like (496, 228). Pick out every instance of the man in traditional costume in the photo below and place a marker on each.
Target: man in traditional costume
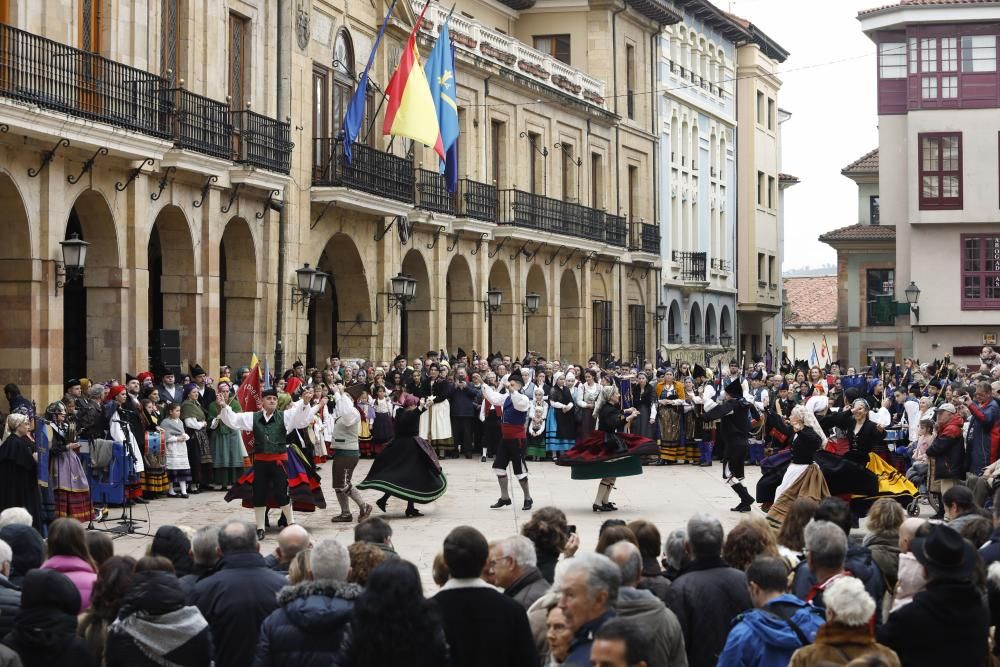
(735, 414)
(513, 434)
(270, 429)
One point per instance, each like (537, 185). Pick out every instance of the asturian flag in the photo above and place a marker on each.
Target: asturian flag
(814, 357)
(248, 396)
(441, 79)
(410, 112)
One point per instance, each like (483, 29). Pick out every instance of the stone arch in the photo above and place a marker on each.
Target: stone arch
(416, 325)
(711, 329)
(340, 319)
(461, 305)
(238, 298)
(695, 329)
(93, 343)
(674, 324)
(19, 357)
(536, 328)
(570, 319)
(173, 280)
(500, 326)
(725, 323)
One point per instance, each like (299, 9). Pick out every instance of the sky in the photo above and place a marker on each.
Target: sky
(828, 85)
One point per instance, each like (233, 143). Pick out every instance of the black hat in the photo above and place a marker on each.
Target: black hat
(734, 389)
(298, 364)
(354, 390)
(698, 372)
(73, 382)
(269, 392)
(129, 377)
(197, 370)
(49, 589)
(945, 554)
(461, 353)
(516, 377)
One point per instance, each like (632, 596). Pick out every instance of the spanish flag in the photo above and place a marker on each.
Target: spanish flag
(410, 112)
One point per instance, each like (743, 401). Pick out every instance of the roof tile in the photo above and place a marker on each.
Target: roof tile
(860, 232)
(925, 3)
(812, 301)
(866, 164)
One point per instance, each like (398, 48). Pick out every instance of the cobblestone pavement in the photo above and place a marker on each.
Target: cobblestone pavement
(666, 495)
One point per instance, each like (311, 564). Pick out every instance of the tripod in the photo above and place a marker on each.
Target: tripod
(127, 522)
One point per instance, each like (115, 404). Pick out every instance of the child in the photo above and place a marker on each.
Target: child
(364, 406)
(178, 467)
(537, 413)
(382, 426)
(918, 453)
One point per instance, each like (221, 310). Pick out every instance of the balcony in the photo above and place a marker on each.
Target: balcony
(477, 200)
(673, 339)
(615, 230)
(54, 76)
(432, 193)
(695, 339)
(692, 265)
(721, 264)
(644, 237)
(371, 170)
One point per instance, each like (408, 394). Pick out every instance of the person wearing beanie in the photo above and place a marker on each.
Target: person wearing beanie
(734, 414)
(44, 632)
(270, 429)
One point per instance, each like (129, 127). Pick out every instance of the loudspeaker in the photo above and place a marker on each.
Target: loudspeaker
(164, 338)
(165, 351)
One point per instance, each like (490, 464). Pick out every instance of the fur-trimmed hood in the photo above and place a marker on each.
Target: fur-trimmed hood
(318, 606)
(993, 576)
(330, 589)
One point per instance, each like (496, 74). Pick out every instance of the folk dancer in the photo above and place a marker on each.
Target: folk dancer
(735, 414)
(512, 434)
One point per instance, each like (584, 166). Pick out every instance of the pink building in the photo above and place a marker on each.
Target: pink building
(939, 150)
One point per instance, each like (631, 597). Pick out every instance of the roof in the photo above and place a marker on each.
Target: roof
(866, 164)
(657, 10)
(519, 4)
(770, 47)
(788, 178)
(812, 301)
(925, 3)
(860, 232)
(725, 24)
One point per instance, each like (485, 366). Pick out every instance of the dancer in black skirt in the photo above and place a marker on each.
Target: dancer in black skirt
(408, 468)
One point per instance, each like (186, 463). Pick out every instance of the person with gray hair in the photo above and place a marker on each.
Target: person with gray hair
(308, 626)
(238, 595)
(587, 596)
(675, 555)
(708, 594)
(204, 554)
(826, 551)
(17, 516)
(646, 610)
(10, 595)
(513, 564)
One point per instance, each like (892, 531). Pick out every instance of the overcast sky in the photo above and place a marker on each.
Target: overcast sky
(829, 88)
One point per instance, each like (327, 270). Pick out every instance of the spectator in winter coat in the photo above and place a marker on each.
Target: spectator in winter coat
(984, 429)
(308, 627)
(512, 563)
(44, 633)
(238, 596)
(10, 595)
(948, 450)
(653, 578)
(708, 594)
(28, 548)
(587, 593)
(646, 610)
(959, 507)
(778, 625)
(67, 553)
(990, 552)
(205, 556)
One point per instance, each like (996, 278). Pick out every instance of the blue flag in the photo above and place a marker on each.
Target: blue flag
(440, 70)
(354, 118)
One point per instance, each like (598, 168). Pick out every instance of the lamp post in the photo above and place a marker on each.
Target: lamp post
(912, 293)
(74, 256)
(494, 298)
(309, 284)
(661, 314)
(725, 340)
(403, 291)
(532, 301)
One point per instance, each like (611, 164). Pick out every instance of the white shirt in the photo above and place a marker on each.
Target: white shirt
(298, 415)
(521, 402)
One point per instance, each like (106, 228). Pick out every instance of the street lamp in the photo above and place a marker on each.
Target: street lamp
(661, 312)
(494, 298)
(404, 291)
(531, 303)
(309, 283)
(726, 340)
(74, 254)
(912, 293)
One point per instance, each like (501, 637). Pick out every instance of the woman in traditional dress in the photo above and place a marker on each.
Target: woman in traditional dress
(435, 423)
(199, 450)
(589, 392)
(19, 469)
(643, 398)
(863, 435)
(807, 440)
(607, 453)
(692, 424)
(154, 479)
(367, 411)
(537, 416)
(67, 477)
(408, 468)
(226, 444)
(560, 427)
(670, 402)
(382, 427)
(121, 430)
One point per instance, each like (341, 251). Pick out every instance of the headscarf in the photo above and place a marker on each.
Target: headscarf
(14, 420)
(603, 397)
(808, 418)
(188, 388)
(173, 544)
(408, 400)
(817, 404)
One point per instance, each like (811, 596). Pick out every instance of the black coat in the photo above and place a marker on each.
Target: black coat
(44, 634)
(946, 624)
(235, 600)
(308, 628)
(19, 477)
(868, 438)
(10, 605)
(485, 628)
(734, 417)
(804, 446)
(706, 597)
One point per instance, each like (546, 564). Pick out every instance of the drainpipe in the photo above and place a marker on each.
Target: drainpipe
(283, 75)
(618, 171)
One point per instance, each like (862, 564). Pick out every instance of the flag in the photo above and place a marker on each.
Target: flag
(354, 118)
(441, 79)
(248, 396)
(768, 358)
(267, 374)
(42, 446)
(254, 362)
(410, 112)
(814, 357)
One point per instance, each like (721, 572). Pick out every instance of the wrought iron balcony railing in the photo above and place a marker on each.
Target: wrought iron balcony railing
(644, 237)
(432, 192)
(692, 265)
(526, 209)
(673, 339)
(371, 170)
(477, 200)
(55, 76)
(722, 264)
(696, 339)
(615, 232)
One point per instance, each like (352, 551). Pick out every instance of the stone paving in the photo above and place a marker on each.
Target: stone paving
(666, 495)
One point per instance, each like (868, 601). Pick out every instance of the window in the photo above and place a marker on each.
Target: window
(602, 330)
(556, 46)
(761, 268)
(596, 181)
(914, 55)
(873, 209)
(771, 116)
(239, 35)
(761, 184)
(536, 172)
(949, 54)
(880, 297)
(771, 192)
(633, 193)
(760, 108)
(949, 87)
(771, 265)
(636, 333)
(979, 53)
(90, 25)
(940, 171)
(498, 139)
(569, 171)
(980, 272)
(928, 55)
(630, 78)
(320, 119)
(928, 88)
(170, 26)
(892, 60)
(343, 79)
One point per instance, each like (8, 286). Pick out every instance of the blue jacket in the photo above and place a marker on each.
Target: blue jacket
(761, 639)
(980, 436)
(579, 649)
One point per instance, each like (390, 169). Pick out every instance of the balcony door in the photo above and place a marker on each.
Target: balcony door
(321, 121)
(239, 36)
(343, 81)
(170, 52)
(89, 40)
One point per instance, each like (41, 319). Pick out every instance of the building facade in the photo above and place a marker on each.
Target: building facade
(758, 166)
(938, 96)
(809, 322)
(697, 182)
(869, 321)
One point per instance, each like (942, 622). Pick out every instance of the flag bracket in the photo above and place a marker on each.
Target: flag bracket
(312, 225)
(590, 255)
(453, 242)
(233, 196)
(87, 166)
(564, 262)
(47, 157)
(121, 187)
(379, 235)
(204, 190)
(554, 255)
(499, 247)
(517, 252)
(479, 243)
(434, 241)
(270, 198)
(155, 196)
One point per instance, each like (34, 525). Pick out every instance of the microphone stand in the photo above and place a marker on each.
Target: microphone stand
(127, 522)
